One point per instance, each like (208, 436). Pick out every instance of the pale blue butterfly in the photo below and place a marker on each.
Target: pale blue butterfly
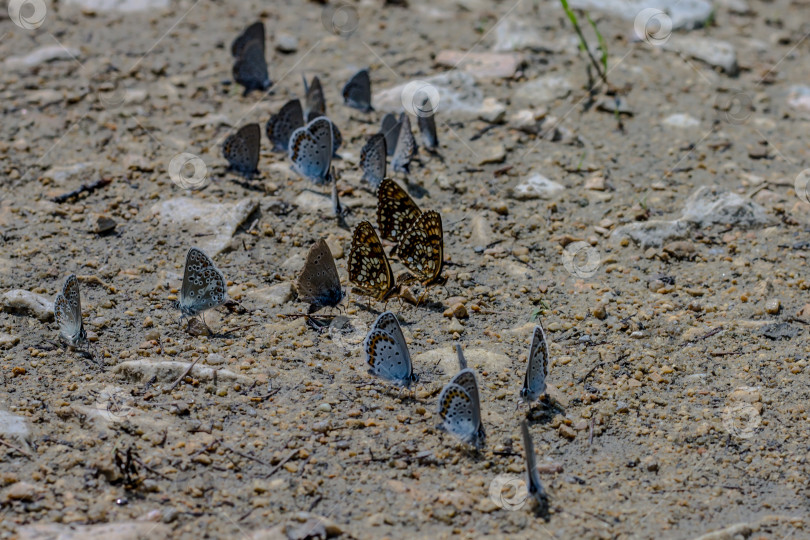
(282, 124)
(311, 149)
(390, 128)
(67, 310)
(406, 146)
(373, 161)
(534, 382)
(203, 285)
(387, 353)
(533, 485)
(460, 406)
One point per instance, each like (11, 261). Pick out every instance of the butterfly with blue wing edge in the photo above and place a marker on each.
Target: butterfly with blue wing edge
(460, 406)
(310, 150)
(250, 64)
(357, 92)
(203, 285)
(387, 352)
(315, 103)
(405, 149)
(373, 161)
(67, 310)
(282, 125)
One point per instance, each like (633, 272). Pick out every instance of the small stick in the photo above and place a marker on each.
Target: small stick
(590, 433)
(20, 450)
(183, 376)
(707, 335)
(246, 456)
(84, 188)
(148, 468)
(282, 462)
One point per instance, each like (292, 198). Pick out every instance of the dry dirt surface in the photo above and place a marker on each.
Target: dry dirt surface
(662, 244)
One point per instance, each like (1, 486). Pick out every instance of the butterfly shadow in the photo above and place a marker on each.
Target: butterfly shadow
(416, 191)
(246, 183)
(543, 411)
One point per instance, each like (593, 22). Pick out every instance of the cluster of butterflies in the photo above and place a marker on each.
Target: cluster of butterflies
(305, 132)
(386, 353)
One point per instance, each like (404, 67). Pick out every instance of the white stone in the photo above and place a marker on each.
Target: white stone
(537, 186)
(541, 90)
(681, 120)
(712, 51)
(711, 205)
(14, 428)
(41, 55)
(35, 305)
(683, 13)
(458, 93)
(126, 6)
(211, 224)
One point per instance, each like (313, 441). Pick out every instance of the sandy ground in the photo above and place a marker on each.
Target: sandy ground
(681, 405)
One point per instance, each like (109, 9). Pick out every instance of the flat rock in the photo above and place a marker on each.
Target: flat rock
(212, 224)
(14, 429)
(799, 98)
(457, 90)
(49, 53)
(447, 361)
(541, 90)
(711, 205)
(681, 120)
(536, 186)
(169, 371)
(517, 34)
(126, 6)
(653, 233)
(686, 14)
(7, 341)
(28, 303)
(122, 530)
(714, 52)
(312, 202)
(272, 296)
(484, 65)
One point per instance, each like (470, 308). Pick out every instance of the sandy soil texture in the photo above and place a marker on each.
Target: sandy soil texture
(657, 228)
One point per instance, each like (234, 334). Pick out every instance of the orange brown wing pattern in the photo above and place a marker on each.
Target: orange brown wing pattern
(421, 249)
(369, 268)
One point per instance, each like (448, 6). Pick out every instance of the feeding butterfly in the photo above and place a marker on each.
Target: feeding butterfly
(67, 310)
(396, 211)
(315, 102)
(369, 268)
(421, 250)
(387, 352)
(372, 160)
(282, 124)
(310, 150)
(390, 129)
(460, 407)
(534, 382)
(241, 149)
(427, 125)
(533, 485)
(357, 92)
(405, 149)
(250, 66)
(203, 285)
(319, 282)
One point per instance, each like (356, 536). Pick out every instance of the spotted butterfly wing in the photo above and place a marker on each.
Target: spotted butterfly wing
(203, 285)
(250, 67)
(421, 249)
(281, 125)
(396, 211)
(372, 160)
(369, 268)
(387, 352)
(533, 484)
(390, 129)
(427, 126)
(242, 149)
(405, 149)
(310, 150)
(315, 102)
(318, 284)
(460, 415)
(68, 312)
(534, 382)
(357, 92)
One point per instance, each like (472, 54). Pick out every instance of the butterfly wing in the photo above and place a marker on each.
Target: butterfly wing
(250, 67)
(406, 146)
(310, 150)
(203, 284)
(242, 149)
(535, 488)
(281, 125)
(421, 248)
(68, 311)
(396, 211)
(316, 104)
(357, 92)
(456, 412)
(462, 362)
(390, 129)
(387, 353)
(427, 128)
(372, 160)
(466, 380)
(534, 382)
(254, 32)
(369, 268)
(319, 282)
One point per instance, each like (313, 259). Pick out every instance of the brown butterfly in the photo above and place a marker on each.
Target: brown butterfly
(396, 211)
(369, 268)
(421, 250)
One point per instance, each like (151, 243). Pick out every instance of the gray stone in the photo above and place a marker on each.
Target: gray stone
(799, 98)
(212, 224)
(26, 302)
(286, 43)
(457, 90)
(272, 296)
(686, 14)
(711, 51)
(125, 6)
(169, 371)
(711, 205)
(536, 186)
(541, 90)
(653, 233)
(681, 120)
(122, 530)
(14, 429)
(517, 34)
